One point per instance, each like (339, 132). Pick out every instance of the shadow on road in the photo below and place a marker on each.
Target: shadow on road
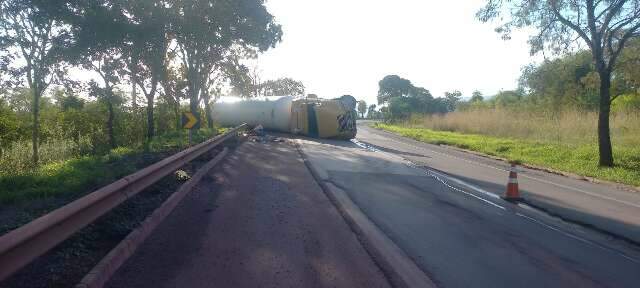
(627, 232)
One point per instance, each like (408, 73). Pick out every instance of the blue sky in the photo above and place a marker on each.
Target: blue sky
(345, 47)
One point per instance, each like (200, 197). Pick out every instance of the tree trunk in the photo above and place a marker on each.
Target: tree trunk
(112, 139)
(193, 106)
(176, 112)
(35, 136)
(134, 95)
(207, 111)
(134, 92)
(207, 108)
(150, 125)
(604, 136)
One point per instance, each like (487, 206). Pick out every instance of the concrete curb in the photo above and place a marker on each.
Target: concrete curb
(397, 266)
(618, 185)
(102, 272)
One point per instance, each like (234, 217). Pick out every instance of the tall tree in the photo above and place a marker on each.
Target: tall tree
(241, 81)
(451, 99)
(476, 96)
(174, 85)
(8, 126)
(393, 86)
(569, 80)
(362, 108)
(212, 87)
(206, 30)
(371, 112)
(100, 32)
(134, 32)
(111, 70)
(604, 26)
(283, 87)
(27, 32)
(150, 37)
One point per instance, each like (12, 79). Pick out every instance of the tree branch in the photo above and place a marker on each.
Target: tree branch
(571, 25)
(615, 8)
(628, 35)
(613, 98)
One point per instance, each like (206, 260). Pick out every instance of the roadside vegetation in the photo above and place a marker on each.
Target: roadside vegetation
(581, 159)
(81, 174)
(573, 112)
(94, 90)
(551, 120)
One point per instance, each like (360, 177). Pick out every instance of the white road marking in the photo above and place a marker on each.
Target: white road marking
(430, 173)
(471, 186)
(438, 176)
(577, 238)
(523, 175)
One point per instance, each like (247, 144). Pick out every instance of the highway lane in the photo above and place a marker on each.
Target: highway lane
(260, 221)
(603, 206)
(464, 237)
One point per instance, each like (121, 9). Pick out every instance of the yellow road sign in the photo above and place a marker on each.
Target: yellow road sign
(190, 121)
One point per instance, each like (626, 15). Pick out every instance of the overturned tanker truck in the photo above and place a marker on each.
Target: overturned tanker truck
(315, 117)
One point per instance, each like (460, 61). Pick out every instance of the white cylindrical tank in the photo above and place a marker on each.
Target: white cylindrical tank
(272, 112)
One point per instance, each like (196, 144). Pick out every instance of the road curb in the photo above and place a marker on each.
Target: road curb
(397, 266)
(102, 272)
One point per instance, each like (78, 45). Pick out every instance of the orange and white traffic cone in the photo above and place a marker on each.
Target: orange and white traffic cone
(513, 194)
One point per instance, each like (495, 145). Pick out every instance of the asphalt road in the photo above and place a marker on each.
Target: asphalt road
(440, 206)
(260, 221)
(604, 206)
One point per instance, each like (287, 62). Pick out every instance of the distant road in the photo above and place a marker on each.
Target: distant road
(440, 206)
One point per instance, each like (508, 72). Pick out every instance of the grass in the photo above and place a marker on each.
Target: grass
(83, 174)
(577, 158)
(569, 127)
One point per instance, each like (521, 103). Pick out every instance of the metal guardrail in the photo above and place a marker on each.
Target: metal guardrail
(26, 243)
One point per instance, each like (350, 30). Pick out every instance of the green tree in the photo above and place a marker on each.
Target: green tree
(451, 99)
(410, 99)
(111, 36)
(67, 102)
(627, 72)
(20, 100)
(206, 30)
(476, 96)
(362, 108)
(604, 26)
(371, 112)
(241, 81)
(421, 100)
(283, 87)
(400, 107)
(569, 80)
(150, 36)
(8, 126)
(384, 113)
(174, 86)
(393, 86)
(100, 31)
(29, 33)
(507, 98)
(72, 118)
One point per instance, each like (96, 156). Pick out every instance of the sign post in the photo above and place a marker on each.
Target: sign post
(190, 121)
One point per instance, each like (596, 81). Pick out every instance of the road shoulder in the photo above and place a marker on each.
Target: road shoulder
(259, 220)
(396, 264)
